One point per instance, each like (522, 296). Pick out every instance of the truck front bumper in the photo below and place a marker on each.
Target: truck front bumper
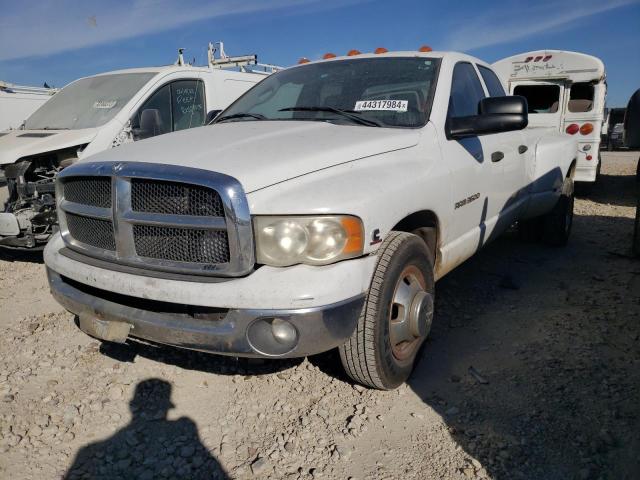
(240, 332)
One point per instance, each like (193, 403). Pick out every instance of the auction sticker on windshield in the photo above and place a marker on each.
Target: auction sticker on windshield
(385, 105)
(105, 104)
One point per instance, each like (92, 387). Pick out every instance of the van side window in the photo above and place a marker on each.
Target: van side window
(581, 97)
(540, 98)
(187, 102)
(494, 85)
(161, 101)
(466, 91)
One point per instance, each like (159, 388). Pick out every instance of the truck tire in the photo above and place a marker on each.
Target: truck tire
(635, 246)
(556, 225)
(396, 317)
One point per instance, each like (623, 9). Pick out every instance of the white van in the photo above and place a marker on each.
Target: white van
(97, 113)
(566, 91)
(17, 102)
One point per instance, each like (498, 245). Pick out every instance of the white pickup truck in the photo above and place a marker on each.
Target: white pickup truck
(97, 113)
(317, 212)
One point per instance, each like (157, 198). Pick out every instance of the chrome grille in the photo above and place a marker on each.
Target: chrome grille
(92, 231)
(161, 217)
(181, 244)
(174, 198)
(93, 191)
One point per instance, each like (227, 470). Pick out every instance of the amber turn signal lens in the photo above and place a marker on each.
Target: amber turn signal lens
(355, 235)
(586, 129)
(572, 129)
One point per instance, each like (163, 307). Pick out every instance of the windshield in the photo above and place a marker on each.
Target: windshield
(88, 102)
(386, 92)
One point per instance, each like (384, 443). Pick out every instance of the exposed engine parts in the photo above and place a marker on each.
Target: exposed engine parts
(29, 206)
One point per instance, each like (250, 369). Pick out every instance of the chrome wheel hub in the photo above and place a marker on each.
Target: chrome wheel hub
(411, 313)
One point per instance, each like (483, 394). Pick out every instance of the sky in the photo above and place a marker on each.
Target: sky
(57, 41)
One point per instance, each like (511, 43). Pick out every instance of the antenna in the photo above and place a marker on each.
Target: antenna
(180, 60)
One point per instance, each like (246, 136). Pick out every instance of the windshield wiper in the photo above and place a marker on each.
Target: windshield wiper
(350, 114)
(255, 116)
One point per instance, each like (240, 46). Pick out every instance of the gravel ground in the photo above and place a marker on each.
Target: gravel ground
(532, 371)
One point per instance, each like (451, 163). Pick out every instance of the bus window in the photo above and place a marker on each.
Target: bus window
(540, 98)
(581, 97)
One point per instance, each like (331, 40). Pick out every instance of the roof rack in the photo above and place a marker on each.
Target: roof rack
(241, 62)
(10, 87)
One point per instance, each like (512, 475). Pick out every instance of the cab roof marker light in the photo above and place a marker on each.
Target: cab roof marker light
(329, 55)
(380, 50)
(528, 59)
(425, 48)
(547, 58)
(353, 53)
(538, 58)
(303, 60)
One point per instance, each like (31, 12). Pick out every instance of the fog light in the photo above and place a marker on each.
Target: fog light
(283, 331)
(272, 336)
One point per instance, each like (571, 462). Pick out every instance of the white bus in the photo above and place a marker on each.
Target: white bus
(565, 91)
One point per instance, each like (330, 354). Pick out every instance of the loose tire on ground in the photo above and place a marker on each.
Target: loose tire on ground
(377, 355)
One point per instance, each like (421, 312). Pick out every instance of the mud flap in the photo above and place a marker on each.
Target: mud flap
(105, 329)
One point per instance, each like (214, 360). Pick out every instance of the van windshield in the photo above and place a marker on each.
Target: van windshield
(88, 102)
(382, 92)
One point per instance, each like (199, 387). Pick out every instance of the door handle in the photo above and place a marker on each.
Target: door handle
(522, 149)
(497, 156)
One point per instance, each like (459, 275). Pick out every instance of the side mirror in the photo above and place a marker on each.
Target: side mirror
(150, 124)
(211, 116)
(496, 114)
(632, 121)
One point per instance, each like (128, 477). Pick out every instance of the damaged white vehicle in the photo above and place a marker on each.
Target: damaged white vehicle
(98, 113)
(317, 212)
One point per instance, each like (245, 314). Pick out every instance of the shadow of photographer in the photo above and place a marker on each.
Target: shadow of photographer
(150, 446)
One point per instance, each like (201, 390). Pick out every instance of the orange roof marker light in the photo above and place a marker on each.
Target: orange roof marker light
(380, 50)
(425, 48)
(353, 53)
(303, 60)
(329, 55)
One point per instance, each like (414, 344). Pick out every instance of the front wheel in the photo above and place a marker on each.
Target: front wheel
(396, 317)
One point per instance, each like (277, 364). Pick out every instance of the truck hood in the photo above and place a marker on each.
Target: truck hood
(16, 144)
(263, 153)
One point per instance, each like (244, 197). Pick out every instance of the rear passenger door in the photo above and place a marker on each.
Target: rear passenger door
(511, 155)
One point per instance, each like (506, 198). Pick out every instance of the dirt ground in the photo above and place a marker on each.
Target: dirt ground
(532, 372)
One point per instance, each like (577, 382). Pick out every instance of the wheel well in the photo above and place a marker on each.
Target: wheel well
(424, 224)
(572, 169)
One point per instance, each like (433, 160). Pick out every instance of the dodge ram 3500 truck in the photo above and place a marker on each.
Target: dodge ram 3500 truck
(316, 212)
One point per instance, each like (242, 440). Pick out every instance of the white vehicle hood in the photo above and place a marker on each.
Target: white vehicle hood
(263, 153)
(16, 144)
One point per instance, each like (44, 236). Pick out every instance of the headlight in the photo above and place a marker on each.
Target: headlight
(315, 240)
